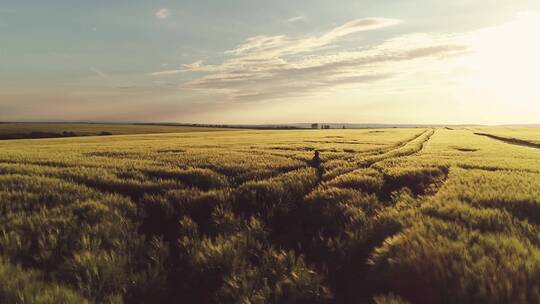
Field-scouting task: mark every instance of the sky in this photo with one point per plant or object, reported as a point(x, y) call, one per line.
point(260, 62)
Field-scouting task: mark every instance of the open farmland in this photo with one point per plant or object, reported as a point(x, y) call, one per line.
point(523, 136)
point(52, 130)
point(381, 216)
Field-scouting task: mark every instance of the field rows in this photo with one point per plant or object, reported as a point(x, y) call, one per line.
point(384, 216)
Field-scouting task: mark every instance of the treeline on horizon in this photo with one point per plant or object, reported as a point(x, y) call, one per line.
point(38, 134)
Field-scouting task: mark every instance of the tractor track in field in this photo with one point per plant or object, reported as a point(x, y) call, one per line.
point(387, 149)
point(370, 162)
point(371, 153)
point(422, 146)
point(509, 140)
point(494, 169)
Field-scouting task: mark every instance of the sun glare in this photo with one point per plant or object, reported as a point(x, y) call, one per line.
point(505, 60)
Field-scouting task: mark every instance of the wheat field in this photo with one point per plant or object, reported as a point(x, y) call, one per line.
point(420, 215)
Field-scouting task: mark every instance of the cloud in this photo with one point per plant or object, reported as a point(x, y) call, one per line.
point(99, 72)
point(273, 46)
point(296, 19)
point(192, 67)
point(270, 67)
point(126, 87)
point(163, 13)
point(359, 25)
point(167, 72)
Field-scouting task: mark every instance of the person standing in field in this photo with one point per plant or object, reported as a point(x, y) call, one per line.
point(316, 163)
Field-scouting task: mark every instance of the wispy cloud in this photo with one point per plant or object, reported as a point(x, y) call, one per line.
point(275, 46)
point(267, 67)
point(163, 13)
point(99, 72)
point(195, 66)
point(296, 19)
point(167, 72)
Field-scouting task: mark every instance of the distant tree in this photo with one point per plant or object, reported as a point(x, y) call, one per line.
point(343, 127)
point(68, 134)
point(315, 126)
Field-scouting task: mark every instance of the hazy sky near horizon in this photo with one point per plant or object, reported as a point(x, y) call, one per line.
point(251, 61)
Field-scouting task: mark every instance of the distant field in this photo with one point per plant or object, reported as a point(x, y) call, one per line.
point(48, 130)
point(381, 216)
point(528, 134)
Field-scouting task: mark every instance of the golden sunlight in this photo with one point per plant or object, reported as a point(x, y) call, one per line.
point(505, 60)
